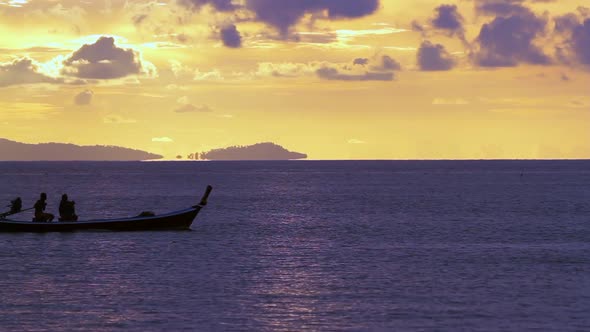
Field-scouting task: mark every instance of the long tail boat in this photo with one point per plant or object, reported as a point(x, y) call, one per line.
point(178, 220)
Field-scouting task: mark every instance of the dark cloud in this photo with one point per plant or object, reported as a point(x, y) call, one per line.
point(505, 7)
point(574, 33)
point(221, 5)
point(364, 69)
point(387, 63)
point(417, 26)
point(230, 36)
point(349, 8)
point(284, 14)
point(24, 71)
point(580, 42)
point(360, 61)
point(84, 98)
point(448, 18)
point(566, 23)
point(139, 19)
point(105, 60)
point(508, 41)
point(565, 78)
point(434, 57)
point(500, 7)
point(333, 74)
point(101, 60)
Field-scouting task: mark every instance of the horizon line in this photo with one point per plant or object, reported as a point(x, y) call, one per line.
point(303, 160)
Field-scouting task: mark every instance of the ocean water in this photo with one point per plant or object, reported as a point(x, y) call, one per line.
point(306, 246)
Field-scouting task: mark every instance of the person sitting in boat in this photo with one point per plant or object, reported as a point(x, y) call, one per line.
point(40, 214)
point(67, 211)
point(16, 205)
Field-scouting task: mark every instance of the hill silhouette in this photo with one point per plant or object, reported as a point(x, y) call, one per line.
point(15, 151)
point(260, 151)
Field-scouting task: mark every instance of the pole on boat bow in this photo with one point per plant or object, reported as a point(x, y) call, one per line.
point(6, 214)
point(206, 196)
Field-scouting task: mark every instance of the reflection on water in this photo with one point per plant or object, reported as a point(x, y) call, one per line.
point(306, 246)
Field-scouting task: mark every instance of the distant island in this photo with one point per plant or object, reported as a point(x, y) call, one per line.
point(260, 151)
point(15, 151)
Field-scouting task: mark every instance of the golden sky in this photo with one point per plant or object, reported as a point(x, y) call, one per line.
point(336, 79)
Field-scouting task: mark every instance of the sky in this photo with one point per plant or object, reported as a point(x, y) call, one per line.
point(335, 79)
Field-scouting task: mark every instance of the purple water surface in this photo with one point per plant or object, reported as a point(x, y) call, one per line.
point(304, 246)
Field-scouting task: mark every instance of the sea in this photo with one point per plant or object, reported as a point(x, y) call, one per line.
point(305, 246)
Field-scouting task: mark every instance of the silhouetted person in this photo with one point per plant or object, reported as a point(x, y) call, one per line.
point(67, 211)
point(40, 214)
point(16, 205)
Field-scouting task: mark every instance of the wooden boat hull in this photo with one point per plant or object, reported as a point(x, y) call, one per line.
point(180, 220)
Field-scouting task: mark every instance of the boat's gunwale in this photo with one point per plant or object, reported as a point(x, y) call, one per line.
point(104, 221)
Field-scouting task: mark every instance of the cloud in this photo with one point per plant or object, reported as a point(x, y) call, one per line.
point(190, 108)
point(434, 57)
point(417, 26)
point(333, 74)
point(162, 140)
point(500, 7)
point(574, 32)
point(564, 77)
point(230, 36)
point(580, 42)
point(84, 98)
point(566, 23)
point(213, 75)
point(139, 18)
point(117, 119)
point(100, 60)
point(105, 60)
point(509, 40)
point(376, 69)
point(220, 5)
point(355, 141)
point(14, 3)
point(360, 61)
point(25, 71)
point(448, 18)
point(286, 69)
point(284, 14)
point(582, 102)
point(387, 63)
point(380, 68)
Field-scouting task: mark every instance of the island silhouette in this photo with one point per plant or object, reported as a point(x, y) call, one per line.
point(16, 151)
point(259, 151)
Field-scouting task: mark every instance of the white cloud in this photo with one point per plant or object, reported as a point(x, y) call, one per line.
point(214, 75)
point(162, 140)
point(117, 119)
point(286, 69)
point(190, 108)
point(14, 3)
point(356, 141)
